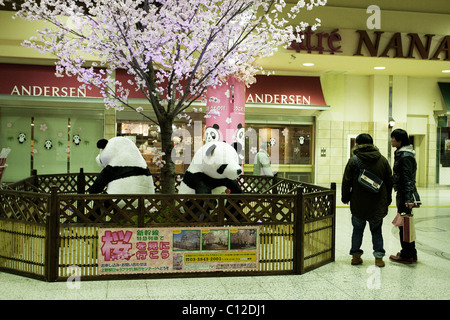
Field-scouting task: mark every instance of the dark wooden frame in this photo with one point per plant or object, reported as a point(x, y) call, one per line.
point(44, 219)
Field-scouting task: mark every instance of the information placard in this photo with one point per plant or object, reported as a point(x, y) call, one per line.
point(162, 250)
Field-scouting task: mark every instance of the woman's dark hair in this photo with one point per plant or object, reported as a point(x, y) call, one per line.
point(364, 138)
point(401, 136)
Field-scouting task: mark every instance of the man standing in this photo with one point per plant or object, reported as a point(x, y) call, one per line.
point(262, 162)
point(364, 205)
point(405, 167)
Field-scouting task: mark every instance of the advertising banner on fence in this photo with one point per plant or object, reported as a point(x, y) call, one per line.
point(162, 250)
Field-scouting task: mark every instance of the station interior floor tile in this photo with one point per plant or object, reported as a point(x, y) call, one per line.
point(428, 279)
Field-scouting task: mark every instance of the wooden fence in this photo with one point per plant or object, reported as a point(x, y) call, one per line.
point(48, 224)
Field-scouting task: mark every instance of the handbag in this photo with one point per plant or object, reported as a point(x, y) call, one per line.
point(368, 180)
point(409, 230)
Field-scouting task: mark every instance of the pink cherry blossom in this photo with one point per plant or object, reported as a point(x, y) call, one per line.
point(172, 49)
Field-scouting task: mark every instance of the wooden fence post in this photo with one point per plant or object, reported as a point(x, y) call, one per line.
point(81, 182)
point(299, 224)
point(141, 212)
point(52, 238)
point(333, 254)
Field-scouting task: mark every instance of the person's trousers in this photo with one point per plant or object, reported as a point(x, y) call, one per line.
point(408, 248)
point(377, 237)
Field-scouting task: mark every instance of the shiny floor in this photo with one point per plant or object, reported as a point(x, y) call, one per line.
point(428, 279)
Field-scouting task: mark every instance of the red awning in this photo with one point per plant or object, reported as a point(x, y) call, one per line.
point(286, 90)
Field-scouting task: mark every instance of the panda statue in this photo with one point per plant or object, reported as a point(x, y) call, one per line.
point(124, 169)
point(214, 169)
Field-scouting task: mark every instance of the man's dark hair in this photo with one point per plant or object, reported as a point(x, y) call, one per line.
point(401, 136)
point(364, 138)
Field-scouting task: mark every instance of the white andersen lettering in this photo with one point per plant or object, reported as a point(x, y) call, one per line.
point(47, 91)
point(279, 98)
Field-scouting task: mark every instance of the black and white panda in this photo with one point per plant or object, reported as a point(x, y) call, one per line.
point(214, 168)
point(212, 133)
point(124, 169)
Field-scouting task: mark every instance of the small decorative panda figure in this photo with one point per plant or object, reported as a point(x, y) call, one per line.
point(240, 138)
point(214, 168)
point(76, 139)
point(48, 144)
point(22, 137)
point(212, 133)
point(124, 169)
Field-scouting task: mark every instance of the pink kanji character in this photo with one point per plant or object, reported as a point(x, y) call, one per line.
point(141, 255)
point(116, 245)
point(153, 245)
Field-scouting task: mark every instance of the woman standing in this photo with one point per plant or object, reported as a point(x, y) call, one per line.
point(404, 178)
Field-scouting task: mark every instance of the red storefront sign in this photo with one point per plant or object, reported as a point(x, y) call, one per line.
point(286, 90)
point(40, 81)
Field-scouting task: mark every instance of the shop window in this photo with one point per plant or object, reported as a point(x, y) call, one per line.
point(288, 145)
point(147, 137)
point(49, 142)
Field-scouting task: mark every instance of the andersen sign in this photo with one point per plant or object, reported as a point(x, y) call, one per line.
point(375, 44)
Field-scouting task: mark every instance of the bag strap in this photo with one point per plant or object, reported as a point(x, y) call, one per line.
point(355, 159)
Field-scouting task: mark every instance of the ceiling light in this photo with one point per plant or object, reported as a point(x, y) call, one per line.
point(308, 64)
point(446, 71)
point(379, 68)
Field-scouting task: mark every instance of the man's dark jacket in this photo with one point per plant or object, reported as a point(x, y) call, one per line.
point(363, 204)
point(405, 167)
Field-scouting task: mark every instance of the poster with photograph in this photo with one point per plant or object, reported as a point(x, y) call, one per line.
point(160, 250)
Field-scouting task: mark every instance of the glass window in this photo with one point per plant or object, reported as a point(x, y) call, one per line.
point(294, 143)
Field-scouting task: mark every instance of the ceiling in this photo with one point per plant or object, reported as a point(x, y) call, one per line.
point(289, 62)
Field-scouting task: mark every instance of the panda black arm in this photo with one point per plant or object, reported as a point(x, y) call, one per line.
point(234, 186)
point(102, 180)
point(202, 188)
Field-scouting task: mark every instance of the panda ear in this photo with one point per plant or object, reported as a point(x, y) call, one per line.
point(101, 144)
point(237, 146)
point(210, 150)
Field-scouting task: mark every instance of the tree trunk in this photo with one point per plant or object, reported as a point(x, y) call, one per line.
point(168, 170)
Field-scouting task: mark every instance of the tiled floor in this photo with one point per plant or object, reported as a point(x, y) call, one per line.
point(428, 279)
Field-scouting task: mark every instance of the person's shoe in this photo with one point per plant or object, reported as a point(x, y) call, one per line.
point(356, 260)
point(379, 262)
point(414, 257)
point(399, 259)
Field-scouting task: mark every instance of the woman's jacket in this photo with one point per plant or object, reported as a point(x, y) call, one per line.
point(404, 172)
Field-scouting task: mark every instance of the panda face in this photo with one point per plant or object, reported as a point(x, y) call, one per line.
point(221, 161)
point(119, 151)
point(212, 133)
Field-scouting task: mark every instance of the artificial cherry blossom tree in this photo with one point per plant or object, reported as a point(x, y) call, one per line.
point(172, 49)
